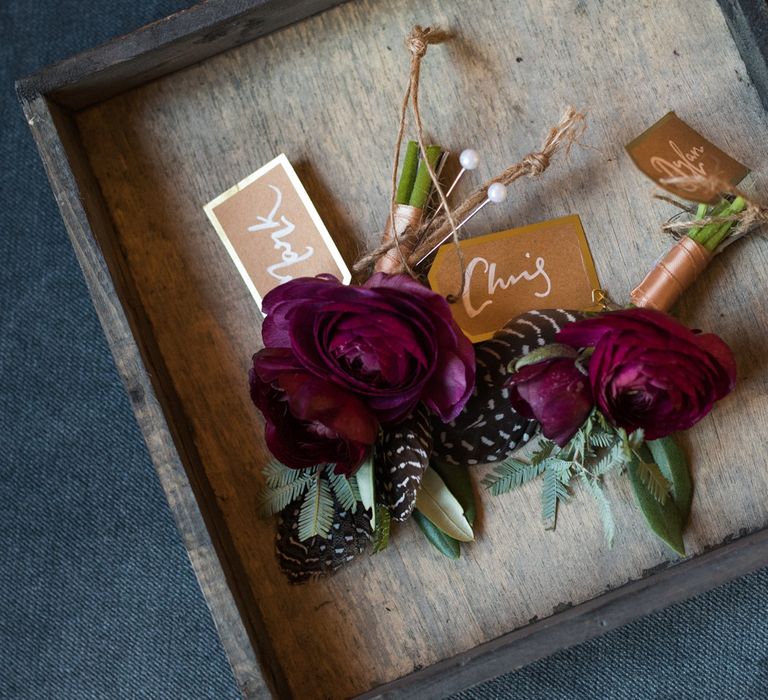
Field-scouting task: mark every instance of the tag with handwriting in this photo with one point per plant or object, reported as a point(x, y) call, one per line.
point(671, 148)
point(541, 266)
point(272, 230)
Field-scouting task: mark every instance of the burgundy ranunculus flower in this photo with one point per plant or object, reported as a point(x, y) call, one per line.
point(556, 393)
point(391, 342)
point(309, 420)
point(649, 371)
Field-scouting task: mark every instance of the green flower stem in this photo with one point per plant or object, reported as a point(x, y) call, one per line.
point(712, 235)
point(408, 176)
point(423, 182)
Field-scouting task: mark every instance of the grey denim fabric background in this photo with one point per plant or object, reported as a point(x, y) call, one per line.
point(97, 597)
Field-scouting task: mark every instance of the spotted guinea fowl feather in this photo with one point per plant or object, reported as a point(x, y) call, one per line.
point(489, 429)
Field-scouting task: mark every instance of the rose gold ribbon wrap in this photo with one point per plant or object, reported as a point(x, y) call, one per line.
point(406, 217)
point(673, 274)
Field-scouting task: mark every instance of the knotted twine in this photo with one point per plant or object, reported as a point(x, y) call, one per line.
point(415, 242)
point(682, 265)
point(752, 216)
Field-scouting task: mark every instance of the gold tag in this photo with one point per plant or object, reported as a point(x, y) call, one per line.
point(671, 148)
point(272, 231)
point(541, 266)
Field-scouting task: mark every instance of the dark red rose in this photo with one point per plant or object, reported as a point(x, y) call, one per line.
point(308, 420)
point(555, 391)
point(391, 342)
point(649, 371)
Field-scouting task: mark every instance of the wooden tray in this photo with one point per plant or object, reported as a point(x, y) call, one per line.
point(137, 135)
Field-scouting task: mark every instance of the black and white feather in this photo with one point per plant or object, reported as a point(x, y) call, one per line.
point(349, 536)
point(402, 457)
point(489, 429)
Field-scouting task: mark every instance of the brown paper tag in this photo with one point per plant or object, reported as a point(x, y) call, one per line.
point(273, 232)
point(671, 148)
point(541, 266)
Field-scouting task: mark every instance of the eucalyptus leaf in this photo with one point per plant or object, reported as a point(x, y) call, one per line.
point(437, 538)
point(457, 479)
point(674, 465)
point(665, 519)
point(438, 504)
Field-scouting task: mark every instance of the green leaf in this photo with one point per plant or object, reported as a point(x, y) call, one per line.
point(544, 450)
point(603, 505)
point(664, 520)
point(438, 504)
point(602, 439)
point(317, 511)
point(437, 538)
point(458, 481)
point(636, 439)
point(550, 351)
point(654, 480)
point(510, 474)
point(273, 500)
point(549, 499)
point(283, 486)
point(278, 475)
point(342, 490)
point(381, 533)
point(365, 485)
point(613, 458)
point(674, 465)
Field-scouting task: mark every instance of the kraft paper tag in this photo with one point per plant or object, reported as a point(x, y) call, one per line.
point(541, 266)
point(272, 230)
point(671, 148)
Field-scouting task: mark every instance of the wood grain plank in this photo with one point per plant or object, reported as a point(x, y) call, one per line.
point(326, 91)
point(162, 47)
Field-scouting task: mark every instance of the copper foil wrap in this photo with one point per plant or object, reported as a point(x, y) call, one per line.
point(673, 274)
point(406, 217)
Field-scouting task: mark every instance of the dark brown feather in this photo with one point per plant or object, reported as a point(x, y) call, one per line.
point(402, 457)
point(302, 561)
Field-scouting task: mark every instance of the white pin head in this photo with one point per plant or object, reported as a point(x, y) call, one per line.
point(469, 159)
point(497, 193)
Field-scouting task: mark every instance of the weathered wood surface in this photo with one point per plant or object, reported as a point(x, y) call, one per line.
point(326, 92)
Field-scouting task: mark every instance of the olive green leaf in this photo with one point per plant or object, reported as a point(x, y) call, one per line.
point(437, 538)
point(364, 483)
point(674, 465)
point(438, 504)
point(663, 519)
point(458, 481)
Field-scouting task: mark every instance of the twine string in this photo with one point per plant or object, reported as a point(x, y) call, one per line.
point(752, 216)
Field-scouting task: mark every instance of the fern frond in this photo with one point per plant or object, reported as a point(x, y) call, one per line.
point(549, 499)
point(278, 475)
point(381, 533)
point(544, 450)
point(602, 439)
point(615, 457)
point(603, 506)
point(511, 474)
point(654, 480)
point(316, 515)
point(342, 489)
point(283, 491)
point(355, 487)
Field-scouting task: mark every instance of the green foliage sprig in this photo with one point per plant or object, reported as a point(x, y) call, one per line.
point(317, 487)
point(657, 469)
